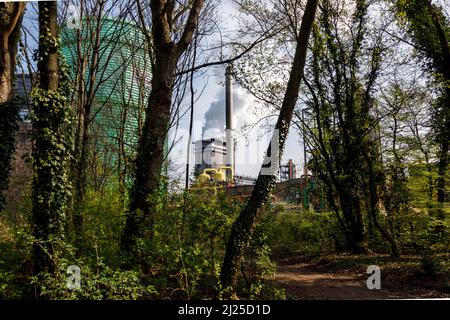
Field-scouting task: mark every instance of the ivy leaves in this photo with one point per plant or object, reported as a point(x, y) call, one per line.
point(51, 154)
point(8, 127)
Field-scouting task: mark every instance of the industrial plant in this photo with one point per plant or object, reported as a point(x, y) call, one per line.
point(215, 167)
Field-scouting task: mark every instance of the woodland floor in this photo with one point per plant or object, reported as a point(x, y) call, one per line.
point(344, 277)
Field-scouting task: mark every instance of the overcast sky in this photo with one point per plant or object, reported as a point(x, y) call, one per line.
point(209, 111)
point(209, 114)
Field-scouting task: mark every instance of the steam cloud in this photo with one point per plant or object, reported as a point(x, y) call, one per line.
point(214, 124)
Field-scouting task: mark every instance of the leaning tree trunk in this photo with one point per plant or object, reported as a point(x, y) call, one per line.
point(11, 15)
point(50, 186)
point(244, 226)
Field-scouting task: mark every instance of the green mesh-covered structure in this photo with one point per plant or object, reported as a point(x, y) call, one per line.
point(123, 82)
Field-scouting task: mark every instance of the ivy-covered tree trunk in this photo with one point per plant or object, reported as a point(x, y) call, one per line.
point(443, 116)
point(429, 29)
point(11, 15)
point(245, 224)
point(50, 151)
point(150, 158)
point(346, 156)
point(442, 120)
point(374, 201)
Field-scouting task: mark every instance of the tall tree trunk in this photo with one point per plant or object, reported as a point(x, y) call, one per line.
point(50, 186)
point(344, 162)
point(11, 15)
point(244, 226)
point(373, 210)
point(191, 117)
point(444, 143)
point(150, 158)
point(445, 117)
point(48, 64)
point(442, 166)
point(81, 182)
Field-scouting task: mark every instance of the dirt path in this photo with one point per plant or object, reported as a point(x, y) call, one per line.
point(302, 283)
point(310, 281)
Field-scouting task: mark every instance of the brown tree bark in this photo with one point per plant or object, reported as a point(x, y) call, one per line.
point(48, 65)
point(45, 216)
point(244, 226)
point(150, 158)
point(11, 15)
point(443, 163)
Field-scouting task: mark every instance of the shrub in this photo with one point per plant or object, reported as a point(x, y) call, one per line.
point(98, 282)
point(429, 266)
point(191, 230)
point(303, 232)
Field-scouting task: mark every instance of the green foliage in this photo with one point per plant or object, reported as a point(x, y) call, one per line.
point(6, 292)
point(262, 290)
point(188, 243)
point(414, 205)
point(98, 282)
point(14, 263)
point(416, 16)
point(258, 265)
point(257, 259)
point(104, 218)
point(441, 118)
point(303, 232)
point(183, 257)
point(429, 29)
point(309, 233)
point(50, 155)
point(341, 104)
point(429, 266)
point(182, 243)
point(8, 127)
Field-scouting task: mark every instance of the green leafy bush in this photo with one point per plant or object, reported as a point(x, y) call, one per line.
point(98, 282)
point(104, 219)
point(303, 232)
point(188, 244)
point(429, 266)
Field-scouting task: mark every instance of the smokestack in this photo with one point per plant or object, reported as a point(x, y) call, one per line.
point(229, 117)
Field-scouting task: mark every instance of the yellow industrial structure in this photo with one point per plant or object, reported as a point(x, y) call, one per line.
point(219, 176)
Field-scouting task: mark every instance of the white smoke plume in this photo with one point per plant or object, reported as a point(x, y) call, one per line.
point(214, 123)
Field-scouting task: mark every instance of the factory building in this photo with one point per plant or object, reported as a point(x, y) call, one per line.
point(210, 154)
point(214, 153)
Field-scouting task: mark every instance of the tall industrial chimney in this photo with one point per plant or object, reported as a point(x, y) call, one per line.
point(229, 117)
